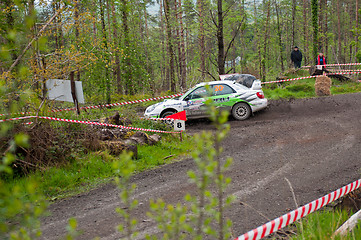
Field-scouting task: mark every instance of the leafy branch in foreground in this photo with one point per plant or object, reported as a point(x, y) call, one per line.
point(206, 210)
point(125, 169)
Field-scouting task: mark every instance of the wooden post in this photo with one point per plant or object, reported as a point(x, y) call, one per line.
point(180, 134)
point(73, 92)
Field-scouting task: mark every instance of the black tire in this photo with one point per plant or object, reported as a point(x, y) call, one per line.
point(241, 111)
point(166, 113)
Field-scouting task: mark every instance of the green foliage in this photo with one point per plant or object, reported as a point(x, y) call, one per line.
point(20, 206)
point(322, 225)
point(171, 220)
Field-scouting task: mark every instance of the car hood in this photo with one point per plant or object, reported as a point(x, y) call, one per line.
point(166, 102)
point(171, 101)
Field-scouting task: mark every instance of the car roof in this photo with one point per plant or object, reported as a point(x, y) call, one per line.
point(215, 82)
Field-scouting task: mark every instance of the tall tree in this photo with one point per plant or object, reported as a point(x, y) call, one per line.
point(314, 10)
point(305, 31)
point(201, 37)
point(279, 33)
point(220, 38)
point(167, 14)
point(116, 43)
point(129, 87)
point(182, 53)
point(105, 42)
point(356, 29)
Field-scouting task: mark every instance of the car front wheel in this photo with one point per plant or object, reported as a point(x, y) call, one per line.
point(166, 114)
point(241, 111)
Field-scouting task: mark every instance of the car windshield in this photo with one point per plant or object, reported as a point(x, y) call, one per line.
point(187, 93)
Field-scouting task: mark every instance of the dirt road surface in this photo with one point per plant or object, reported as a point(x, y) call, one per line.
point(314, 143)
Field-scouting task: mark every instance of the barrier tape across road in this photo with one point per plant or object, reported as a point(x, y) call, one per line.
point(288, 80)
point(337, 64)
point(294, 79)
point(287, 219)
point(88, 123)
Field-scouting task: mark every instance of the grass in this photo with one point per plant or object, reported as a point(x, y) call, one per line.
point(95, 168)
point(322, 224)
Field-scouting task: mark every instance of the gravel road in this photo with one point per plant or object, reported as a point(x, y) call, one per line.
point(314, 143)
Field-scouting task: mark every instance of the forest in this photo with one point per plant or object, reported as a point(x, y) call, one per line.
point(129, 47)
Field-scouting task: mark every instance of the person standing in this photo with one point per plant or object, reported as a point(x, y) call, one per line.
point(296, 57)
point(321, 59)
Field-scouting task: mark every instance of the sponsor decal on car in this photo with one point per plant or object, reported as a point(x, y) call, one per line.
point(220, 100)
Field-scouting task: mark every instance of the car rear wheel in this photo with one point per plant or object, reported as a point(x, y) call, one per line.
point(241, 111)
point(166, 114)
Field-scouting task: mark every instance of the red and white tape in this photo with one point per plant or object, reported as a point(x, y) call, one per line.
point(288, 80)
point(287, 219)
point(104, 105)
point(345, 73)
point(119, 104)
point(158, 119)
point(17, 118)
point(88, 123)
point(294, 79)
point(337, 64)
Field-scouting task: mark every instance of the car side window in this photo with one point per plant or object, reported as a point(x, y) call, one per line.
point(221, 89)
point(200, 92)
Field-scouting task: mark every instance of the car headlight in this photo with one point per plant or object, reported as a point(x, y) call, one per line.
point(150, 109)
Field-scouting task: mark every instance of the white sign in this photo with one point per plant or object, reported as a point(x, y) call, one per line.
point(179, 125)
point(60, 90)
point(319, 67)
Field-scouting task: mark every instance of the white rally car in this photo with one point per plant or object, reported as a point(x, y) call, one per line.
point(241, 94)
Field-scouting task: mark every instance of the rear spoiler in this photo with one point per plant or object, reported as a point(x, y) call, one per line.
point(257, 85)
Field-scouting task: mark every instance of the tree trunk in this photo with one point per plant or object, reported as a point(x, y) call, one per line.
point(182, 48)
point(356, 34)
point(116, 49)
point(163, 68)
point(339, 48)
point(220, 39)
point(279, 33)
point(293, 21)
point(129, 89)
point(170, 45)
point(320, 24)
point(315, 27)
point(305, 32)
point(201, 38)
point(266, 38)
point(105, 42)
point(177, 32)
point(76, 21)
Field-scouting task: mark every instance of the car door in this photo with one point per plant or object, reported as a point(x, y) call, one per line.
point(194, 102)
point(222, 95)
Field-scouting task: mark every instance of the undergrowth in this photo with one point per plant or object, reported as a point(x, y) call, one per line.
point(94, 168)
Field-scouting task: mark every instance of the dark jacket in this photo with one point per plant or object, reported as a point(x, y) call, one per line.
point(296, 56)
point(321, 61)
